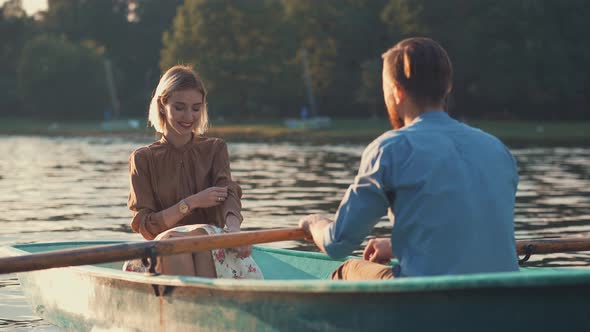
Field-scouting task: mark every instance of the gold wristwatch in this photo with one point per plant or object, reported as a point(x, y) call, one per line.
point(183, 207)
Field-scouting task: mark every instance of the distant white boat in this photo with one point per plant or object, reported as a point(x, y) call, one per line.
point(113, 125)
point(319, 122)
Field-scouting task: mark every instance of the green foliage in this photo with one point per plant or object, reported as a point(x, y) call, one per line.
point(103, 21)
point(239, 49)
point(250, 53)
point(370, 92)
point(130, 36)
point(138, 64)
point(339, 36)
point(513, 59)
point(60, 79)
point(315, 31)
point(15, 28)
point(401, 18)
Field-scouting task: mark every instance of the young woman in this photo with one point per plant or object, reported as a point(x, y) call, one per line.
point(181, 185)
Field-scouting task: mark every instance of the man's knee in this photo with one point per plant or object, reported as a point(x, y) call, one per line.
point(342, 270)
point(358, 269)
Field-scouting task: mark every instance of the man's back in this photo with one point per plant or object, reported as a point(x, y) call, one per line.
point(451, 187)
point(453, 190)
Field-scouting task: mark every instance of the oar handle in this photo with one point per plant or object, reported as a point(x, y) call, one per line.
point(121, 252)
point(548, 246)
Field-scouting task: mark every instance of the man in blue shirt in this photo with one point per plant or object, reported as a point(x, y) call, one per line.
point(448, 188)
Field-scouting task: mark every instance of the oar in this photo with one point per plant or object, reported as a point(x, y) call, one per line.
point(548, 246)
point(120, 252)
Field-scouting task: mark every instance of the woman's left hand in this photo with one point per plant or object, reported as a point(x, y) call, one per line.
point(233, 223)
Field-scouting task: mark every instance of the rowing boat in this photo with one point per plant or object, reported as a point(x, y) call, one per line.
point(296, 295)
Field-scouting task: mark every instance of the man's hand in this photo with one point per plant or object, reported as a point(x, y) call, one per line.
point(314, 226)
point(378, 251)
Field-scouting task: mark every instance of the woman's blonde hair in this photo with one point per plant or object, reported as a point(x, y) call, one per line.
point(175, 79)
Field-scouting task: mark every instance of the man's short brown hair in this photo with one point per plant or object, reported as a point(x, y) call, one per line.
point(422, 68)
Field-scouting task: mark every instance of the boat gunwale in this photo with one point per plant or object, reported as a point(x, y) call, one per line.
point(538, 277)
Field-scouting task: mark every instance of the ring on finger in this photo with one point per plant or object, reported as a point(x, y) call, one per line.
point(220, 199)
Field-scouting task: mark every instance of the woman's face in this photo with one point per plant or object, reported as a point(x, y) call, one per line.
point(183, 111)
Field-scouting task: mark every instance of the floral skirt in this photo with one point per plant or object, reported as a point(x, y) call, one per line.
point(226, 261)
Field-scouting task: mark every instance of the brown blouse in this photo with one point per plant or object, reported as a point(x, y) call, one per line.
point(161, 175)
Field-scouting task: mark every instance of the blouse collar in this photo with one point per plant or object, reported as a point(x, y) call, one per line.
point(182, 148)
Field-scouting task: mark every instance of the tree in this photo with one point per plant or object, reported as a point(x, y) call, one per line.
point(339, 36)
point(148, 19)
point(370, 92)
point(103, 21)
point(512, 59)
point(60, 79)
point(15, 28)
point(241, 49)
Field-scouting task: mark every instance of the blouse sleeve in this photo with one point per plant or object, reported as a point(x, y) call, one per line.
point(141, 196)
point(222, 178)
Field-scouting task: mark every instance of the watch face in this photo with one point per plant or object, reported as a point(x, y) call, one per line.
point(183, 208)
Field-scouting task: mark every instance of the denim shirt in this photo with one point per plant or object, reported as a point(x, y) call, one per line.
point(449, 191)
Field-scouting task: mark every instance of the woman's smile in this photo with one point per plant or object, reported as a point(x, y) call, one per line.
point(187, 125)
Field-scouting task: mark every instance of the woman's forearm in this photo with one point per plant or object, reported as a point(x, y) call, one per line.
point(170, 216)
point(232, 223)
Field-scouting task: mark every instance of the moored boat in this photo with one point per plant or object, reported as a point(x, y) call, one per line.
point(296, 295)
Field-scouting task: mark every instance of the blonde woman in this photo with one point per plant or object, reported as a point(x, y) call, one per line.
point(181, 185)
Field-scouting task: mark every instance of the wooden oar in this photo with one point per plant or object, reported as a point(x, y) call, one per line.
point(548, 246)
point(120, 252)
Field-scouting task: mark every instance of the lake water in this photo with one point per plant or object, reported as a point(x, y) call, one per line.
point(71, 189)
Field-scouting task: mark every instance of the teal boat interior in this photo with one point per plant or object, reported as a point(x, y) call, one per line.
point(291, 265)
point(276, 264)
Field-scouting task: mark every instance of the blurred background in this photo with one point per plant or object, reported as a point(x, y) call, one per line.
point(264, 61)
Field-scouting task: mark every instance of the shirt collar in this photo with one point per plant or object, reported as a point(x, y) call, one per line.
point(432, 116)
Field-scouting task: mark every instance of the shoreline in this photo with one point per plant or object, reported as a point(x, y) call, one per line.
point(343, 131)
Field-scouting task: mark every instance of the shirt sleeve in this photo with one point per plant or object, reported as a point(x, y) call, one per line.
point(222, 178)
point(516, 177)
point(141, 197)
point(364, 203)
point(514, 162)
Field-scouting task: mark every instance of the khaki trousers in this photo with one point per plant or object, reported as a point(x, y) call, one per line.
point(359, 269)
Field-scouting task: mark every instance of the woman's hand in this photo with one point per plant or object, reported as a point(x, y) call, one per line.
point(378, 251)
point(233, 226)
point(209, 197)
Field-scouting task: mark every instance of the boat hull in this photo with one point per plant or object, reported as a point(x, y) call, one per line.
point(94, 298)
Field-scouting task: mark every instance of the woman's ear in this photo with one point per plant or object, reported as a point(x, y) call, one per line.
point(160, 105)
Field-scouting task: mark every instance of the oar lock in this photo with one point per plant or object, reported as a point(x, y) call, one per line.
point(150, 260)
point(528, 251)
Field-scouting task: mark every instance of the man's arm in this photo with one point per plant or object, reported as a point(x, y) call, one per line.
point(315, 225)
point(363, 205)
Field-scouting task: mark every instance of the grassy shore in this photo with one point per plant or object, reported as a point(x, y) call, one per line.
point(342, 130)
